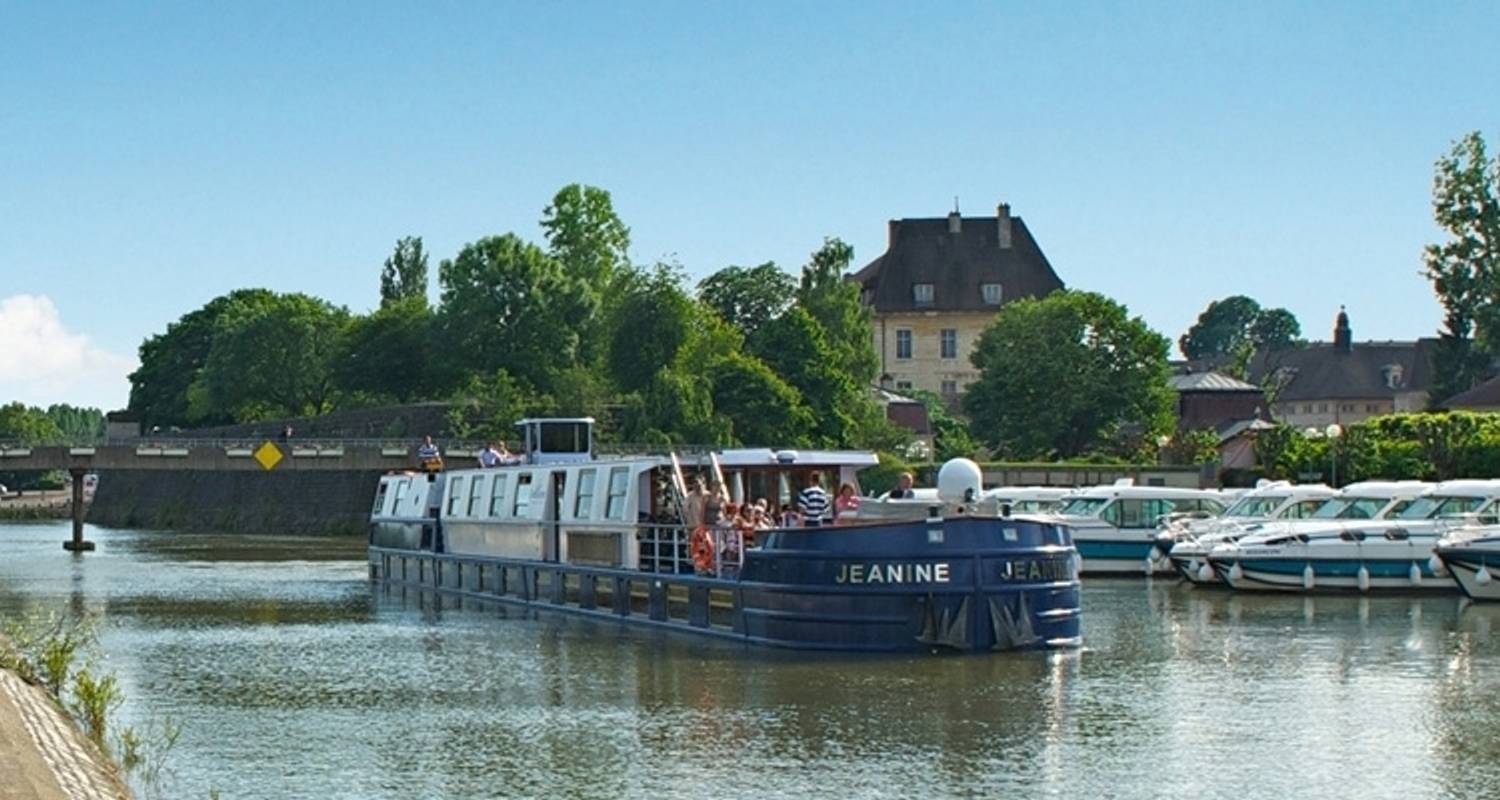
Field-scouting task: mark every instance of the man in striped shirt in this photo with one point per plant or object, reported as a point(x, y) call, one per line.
point(812, 502)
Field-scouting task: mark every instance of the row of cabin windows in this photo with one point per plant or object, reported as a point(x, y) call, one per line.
point(922, 294)
point(947, 343)
point(1143, 512)
point(520, 502)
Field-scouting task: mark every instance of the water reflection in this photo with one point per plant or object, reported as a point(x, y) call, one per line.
point(295, 677)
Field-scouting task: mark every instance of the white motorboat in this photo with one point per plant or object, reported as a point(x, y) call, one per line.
point(1370, 555)
point(1115, 526)
point(1186, 541)
point(1467, 554)
point(1030, 499)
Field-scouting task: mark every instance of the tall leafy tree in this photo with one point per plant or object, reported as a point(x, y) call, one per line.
point(77, 424)
point(270, 358)
point(748, 297)
point(797, 350)
point(834, 303)
point(29, 426)
point(383, 356)
point(171, 361)
point(405, 274)
point(585, 234)
point(1275, 329)
point(763, 408)
point(650, 322)
point(506, 305)
point(1465, 270)
point(1063, 375)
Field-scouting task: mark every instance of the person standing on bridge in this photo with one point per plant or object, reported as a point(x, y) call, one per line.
point(429, 456)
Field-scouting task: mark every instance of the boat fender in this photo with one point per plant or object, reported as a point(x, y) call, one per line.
point(1436, 566)
point(1206, 572)
point(1414, 574)
point(1362, 578)
point(702, 545)
point(1309, 578)
point(1235, 572)
point(1482, 577)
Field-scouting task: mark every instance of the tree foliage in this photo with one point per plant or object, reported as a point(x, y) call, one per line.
point(382, 357)
point(1465, 269)
point(1237, 326)
point(748, 297)
point(585, 234)
point(1065, 375)
point(28, 426)
point(651, 320)
point(170, 363)
point(404, 277)
point(762, 408)
point(834, 303)
point(271, 357)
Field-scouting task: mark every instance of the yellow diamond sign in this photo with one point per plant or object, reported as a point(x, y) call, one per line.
point(269, 455)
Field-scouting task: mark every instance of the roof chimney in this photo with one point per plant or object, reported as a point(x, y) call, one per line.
point(891, 228)
point(1343, 337)
point(1002, 229)
point(955, 222)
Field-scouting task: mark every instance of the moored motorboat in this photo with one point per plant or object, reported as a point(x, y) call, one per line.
point(1186, 541)
point(1472, 556)
point(1114, 526)
point(623, 538)
point(1394, 554)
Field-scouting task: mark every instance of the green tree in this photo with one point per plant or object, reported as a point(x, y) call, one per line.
point(1465, 270)
point(763, 409)
point(28, 426)
point(748, 297)
point(404, 277)
point(585, 234)
point(506, 305)
point(271, 358)
point(834, 303)
point(382, 357)
point(171, 361)
point(675, 408)
point(78, 425)
point(950, 435)
point(1237, 326)
point(796, 349)
point(650, 322)
point(1061, 376)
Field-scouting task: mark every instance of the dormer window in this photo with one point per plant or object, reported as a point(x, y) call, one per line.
point(991, 293)
point(921, 294)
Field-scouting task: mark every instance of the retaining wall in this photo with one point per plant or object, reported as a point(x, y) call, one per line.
point(326, 503)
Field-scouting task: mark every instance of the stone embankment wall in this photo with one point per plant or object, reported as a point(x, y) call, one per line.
point(411, 421)
point(306, 503)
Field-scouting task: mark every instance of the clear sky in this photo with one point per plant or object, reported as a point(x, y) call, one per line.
point(154, 156)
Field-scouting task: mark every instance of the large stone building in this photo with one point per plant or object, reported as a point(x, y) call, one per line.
point(936, 288)
point(1344, 381)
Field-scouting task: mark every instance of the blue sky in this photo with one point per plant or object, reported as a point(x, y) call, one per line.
point(155, 156)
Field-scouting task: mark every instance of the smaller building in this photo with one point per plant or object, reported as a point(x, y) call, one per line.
point(1211, 401)
point(119, 425)
point(1344, 381)
point(1484, 398)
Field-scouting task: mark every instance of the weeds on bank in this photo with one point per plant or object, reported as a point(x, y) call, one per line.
point(61, 654)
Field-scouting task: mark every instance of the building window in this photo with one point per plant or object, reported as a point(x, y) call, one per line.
point(991, 293)
point(903, 343)
point(950, 388)
point(903, 386)
point(921, 294)
point(1307, 408)
point(1347, 407)
point(1322, 408)
point(950, 343)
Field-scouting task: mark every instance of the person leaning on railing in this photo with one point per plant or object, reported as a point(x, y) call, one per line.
point(428, 455)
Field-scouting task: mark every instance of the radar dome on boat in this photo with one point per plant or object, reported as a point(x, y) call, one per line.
point(959, 481)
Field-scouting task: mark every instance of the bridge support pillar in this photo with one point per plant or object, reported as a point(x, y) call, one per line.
point(77, 544)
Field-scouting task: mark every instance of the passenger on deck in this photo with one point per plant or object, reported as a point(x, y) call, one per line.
point(508, 458)
point(762, 515)
point(903, 490)
point(490, 456)
point(812, 502)
point(846, 506)
point(694, 505)
point(429, 456)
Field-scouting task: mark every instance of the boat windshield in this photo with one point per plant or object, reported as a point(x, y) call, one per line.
point(1255, 506)
point(1437, 507)
point(1350, 508)
point(1084, 506)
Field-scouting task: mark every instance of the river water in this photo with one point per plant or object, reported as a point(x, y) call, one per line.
point(293, 676)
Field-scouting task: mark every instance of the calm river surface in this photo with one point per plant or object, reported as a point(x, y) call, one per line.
point(295, 677)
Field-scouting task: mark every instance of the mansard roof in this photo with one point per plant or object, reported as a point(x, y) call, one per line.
point(957, 265)
point(1365, 370)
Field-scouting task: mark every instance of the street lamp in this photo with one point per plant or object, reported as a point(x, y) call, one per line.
point(1161, 445)
point(1333, 432)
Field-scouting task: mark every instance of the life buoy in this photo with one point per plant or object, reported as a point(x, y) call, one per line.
point(702, 547)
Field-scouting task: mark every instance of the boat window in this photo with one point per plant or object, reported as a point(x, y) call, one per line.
point(1458, 506)
point(1211, 505)
point(583, 505)
point(380, 497)
point(1134, 512)
point(400, 493)
point(455, 491)
point(476, 490)
point(523, 495)
point(1335, 508)
point(1255, 506)
point(497, 497)
point(1084, 506)
point(565, 437)
point(1421, 508)
point(619, 484)
point(1398, 507)
point(1302, 510)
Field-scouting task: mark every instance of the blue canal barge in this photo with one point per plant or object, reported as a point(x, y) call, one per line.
point(620, 538)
